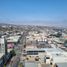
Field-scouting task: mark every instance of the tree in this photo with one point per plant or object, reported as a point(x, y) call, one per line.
point(65, 43)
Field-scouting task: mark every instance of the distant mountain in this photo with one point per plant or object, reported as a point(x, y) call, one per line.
point(6, 24)
point(23, 26)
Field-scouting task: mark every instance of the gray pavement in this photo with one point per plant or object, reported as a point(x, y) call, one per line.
point(45, 65)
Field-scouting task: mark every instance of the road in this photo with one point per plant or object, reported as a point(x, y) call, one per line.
point(16, 59)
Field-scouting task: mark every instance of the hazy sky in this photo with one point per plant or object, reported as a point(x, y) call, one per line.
point(41, 12)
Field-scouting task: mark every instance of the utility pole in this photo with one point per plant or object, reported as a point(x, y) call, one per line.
point(5, 46)
point(25, 40)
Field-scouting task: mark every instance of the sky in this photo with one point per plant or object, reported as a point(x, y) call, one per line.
point(34, 12)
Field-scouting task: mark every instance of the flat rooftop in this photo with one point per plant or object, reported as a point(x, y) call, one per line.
point(45, 49)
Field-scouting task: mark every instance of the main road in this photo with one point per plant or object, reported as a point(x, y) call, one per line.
point(18, 49)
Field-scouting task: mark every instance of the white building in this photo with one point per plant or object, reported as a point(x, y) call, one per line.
point(2, 47)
